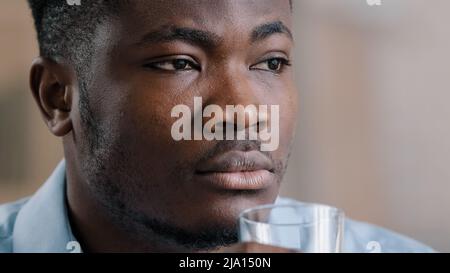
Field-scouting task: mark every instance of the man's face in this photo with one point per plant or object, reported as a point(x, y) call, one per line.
point(159, 54)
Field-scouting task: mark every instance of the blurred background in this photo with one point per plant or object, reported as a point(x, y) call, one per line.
point(373, 131)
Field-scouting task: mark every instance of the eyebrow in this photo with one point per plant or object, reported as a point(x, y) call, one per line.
point(264, 31)
point(196, 37)
point(207, 39)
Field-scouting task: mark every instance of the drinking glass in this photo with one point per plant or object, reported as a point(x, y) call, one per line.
point(304, 227)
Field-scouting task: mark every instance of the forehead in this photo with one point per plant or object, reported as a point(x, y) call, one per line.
point(218, 16)
point(215, 8)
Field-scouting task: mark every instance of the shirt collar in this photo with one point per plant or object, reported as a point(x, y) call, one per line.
point(42, 225)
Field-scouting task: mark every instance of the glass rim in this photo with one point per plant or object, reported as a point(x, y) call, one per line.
point(336, 211)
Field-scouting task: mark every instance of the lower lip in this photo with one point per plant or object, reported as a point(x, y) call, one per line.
point(249, 180)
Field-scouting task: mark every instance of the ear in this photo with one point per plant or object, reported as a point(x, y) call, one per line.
point(52, 85)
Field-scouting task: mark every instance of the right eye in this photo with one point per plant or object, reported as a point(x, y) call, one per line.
point(178, 64)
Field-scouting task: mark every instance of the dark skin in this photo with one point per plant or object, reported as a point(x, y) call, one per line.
point(137, 172)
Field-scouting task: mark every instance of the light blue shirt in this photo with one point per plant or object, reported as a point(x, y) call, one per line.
point(40, 224)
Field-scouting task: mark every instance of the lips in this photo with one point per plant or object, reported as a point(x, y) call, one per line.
point(237, 170)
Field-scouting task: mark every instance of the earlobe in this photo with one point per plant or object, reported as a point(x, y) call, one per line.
point(51, 84)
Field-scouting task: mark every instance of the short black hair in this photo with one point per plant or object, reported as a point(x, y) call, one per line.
point(65, 30)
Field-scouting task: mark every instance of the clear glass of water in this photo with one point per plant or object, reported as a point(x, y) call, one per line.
point(305, 227)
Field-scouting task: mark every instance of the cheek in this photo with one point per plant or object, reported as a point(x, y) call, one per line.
point(145, 124)
point(288, 116)
point(145, 132)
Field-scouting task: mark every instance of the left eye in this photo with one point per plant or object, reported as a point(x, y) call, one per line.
point(273, 64)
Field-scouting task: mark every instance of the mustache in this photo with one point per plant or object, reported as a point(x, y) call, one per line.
point(224, 146)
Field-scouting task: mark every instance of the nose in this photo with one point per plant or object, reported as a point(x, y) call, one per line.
point(240, 97)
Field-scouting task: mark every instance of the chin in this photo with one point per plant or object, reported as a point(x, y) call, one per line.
point(223, 209)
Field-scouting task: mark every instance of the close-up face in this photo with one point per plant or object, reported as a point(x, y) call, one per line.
point(223, 126)
point(154, 55)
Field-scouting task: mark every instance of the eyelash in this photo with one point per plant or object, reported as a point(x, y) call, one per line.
point(283, 62)
point(156, 65)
